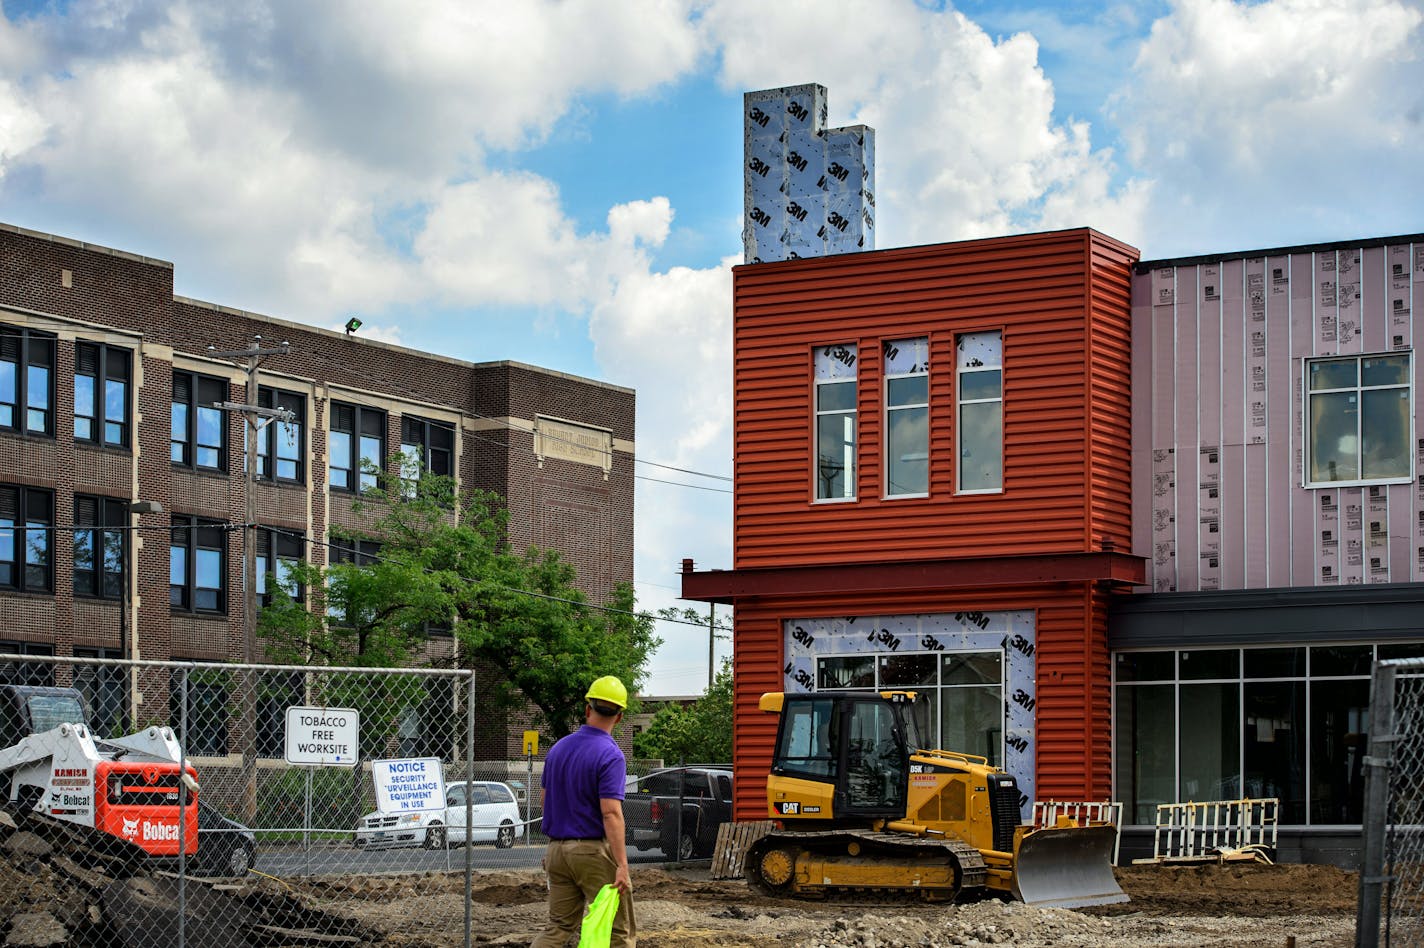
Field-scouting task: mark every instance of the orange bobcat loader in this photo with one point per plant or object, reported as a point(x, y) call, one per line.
point(127, 788)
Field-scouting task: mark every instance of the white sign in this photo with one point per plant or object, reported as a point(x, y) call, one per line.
point(323, 737)
point(413, 785)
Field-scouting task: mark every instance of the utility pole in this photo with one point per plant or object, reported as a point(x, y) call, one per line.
point(711, 643)
point(256, 418)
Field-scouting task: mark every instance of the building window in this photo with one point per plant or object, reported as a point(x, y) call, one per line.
point(26, 542)
point(278, 552)
point(1359, 416)
point(99, 554)
point(1222, 724)
point(101, 394)
point(835, 423)
point(979, 385)
point(198, 436)
point(106, 691)
point(426, 447)
point(341, 609)
point(907, 417)
point(26, 381)
point(207, 691)
point(197, 565)
point(27, 673)
point(358, 440)
point(276, 692)
point(284, 440)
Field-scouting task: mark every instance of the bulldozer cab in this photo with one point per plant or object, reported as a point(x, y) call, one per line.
point(857, 742)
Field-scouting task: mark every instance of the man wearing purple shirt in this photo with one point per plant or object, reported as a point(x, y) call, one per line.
point(583, 783)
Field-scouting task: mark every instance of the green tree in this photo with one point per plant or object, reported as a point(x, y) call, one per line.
point(699, 733)
point(445, 560)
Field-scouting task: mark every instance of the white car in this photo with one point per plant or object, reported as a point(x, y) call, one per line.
point(494, 818)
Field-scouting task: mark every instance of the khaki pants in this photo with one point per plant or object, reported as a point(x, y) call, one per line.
point(577, 869)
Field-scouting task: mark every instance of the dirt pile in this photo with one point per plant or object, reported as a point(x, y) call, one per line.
point(47, 898)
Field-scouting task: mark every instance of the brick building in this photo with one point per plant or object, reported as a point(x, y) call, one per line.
point(107, 382)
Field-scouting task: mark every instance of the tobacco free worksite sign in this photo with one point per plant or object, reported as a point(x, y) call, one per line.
point(413, 785)
point(323, 737)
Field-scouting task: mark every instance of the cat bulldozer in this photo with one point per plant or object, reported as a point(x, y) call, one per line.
point(122, 795)
point(861, 809)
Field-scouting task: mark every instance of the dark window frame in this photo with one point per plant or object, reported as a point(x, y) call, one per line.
point(353, 420)
point(104, 512)
point(25, 350)
point(288, 545)
point(105, 689)
point(22, 505)
point(109, 364)
point(27, 673)
point(208, 703)
point(416, 433)
point(268, 442)
point(195, 399)
point(193, 534)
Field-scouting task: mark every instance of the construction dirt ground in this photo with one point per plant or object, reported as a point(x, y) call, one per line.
point(46, 901)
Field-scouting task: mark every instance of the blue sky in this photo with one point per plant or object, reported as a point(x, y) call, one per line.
point(560, 182)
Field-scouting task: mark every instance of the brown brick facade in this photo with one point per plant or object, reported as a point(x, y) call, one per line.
point(78, 292)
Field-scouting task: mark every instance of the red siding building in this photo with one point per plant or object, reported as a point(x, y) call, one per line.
point(933, 464)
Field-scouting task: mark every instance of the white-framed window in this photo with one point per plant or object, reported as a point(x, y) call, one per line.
point(907, 417)
point(1359, 419)
point(979, 393)
point(835, 423)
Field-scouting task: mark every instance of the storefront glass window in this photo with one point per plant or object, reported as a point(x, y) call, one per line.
point(1211, 663)
point(1275, 662)
point(1210, 740)
point(1339, 736)
point(1146, 666)
point(1274, 741)
point(1146, 738)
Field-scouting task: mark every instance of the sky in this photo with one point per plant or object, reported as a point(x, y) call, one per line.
point(559, 182)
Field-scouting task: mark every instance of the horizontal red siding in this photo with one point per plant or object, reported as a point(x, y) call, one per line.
point(1055, 297)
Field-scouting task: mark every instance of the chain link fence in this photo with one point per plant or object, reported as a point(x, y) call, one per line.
point(1391, 905)
point(333, 806)
point(676, 810)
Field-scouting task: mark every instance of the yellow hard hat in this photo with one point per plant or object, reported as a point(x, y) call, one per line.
point(608, 690)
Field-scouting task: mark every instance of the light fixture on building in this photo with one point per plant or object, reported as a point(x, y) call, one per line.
point(352, 325)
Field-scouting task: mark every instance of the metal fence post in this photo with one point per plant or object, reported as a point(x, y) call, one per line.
point(469, 801)
point(1376, 809)
point(182, 808)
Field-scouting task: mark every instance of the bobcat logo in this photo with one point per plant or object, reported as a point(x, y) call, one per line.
point(130, 828)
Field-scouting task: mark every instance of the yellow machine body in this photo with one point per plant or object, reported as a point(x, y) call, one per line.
point(861, 808)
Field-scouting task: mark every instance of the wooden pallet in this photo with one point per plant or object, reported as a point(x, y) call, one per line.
point(733, 841)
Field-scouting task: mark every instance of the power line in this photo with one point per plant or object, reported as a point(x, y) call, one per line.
point(387, 383)
point(512, 589)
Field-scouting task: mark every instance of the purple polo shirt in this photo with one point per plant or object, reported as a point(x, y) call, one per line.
point(581, 769)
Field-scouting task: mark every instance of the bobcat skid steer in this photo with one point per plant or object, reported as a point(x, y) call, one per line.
point(123, 791)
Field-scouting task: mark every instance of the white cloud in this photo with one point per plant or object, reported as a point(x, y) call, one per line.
point(669, 335)
point(273, 144)
point(1286, 121)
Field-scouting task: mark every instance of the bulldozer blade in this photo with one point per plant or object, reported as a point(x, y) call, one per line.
point(1067, 867)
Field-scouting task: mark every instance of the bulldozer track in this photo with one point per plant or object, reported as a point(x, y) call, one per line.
point(783, 849)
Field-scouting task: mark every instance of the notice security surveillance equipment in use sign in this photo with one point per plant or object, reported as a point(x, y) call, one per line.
point(412, 785)
point(323, 737)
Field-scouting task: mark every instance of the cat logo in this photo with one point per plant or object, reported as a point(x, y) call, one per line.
point(788, 809)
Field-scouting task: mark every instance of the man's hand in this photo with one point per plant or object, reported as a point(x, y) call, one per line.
point(623, 881)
